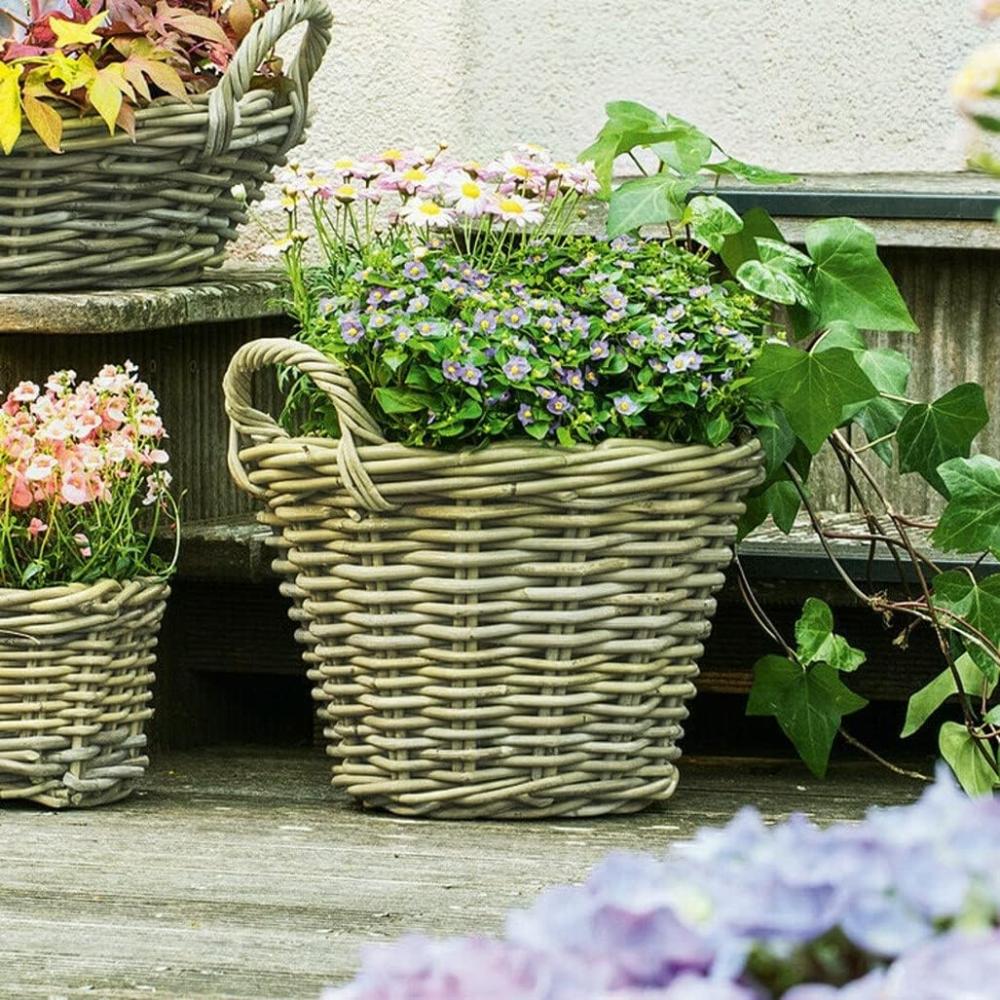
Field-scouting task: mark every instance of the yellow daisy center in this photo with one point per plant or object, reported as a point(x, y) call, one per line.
point(471, 190)
point(344, 163)
point(519, 170)
point(431, 208)
point(511, 206)
point(414, 174)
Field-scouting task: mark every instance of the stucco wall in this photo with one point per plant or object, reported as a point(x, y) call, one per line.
point(808, 85)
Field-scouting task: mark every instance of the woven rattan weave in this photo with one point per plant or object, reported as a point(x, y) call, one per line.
point(511, 631)
point(111, 213)
point(75, 673)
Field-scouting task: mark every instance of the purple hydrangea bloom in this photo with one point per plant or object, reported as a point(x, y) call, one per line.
point(599, 350)
point(614, 315)
point(351, 329)
point(376, 296)
point(548, 323)
point(545, 392)
point(727, 376)
point(743, 342)
point(573, 378)
point(452, 370)
point(378, 319)
point(635, 340)
point(415, 270)
point(676, 313)
point(417, 304)
point(700, 291)
point(517, 368)
point(326, 305)
point(580, 323)
point(525, 415)
point(402, 333)
point(558, 405)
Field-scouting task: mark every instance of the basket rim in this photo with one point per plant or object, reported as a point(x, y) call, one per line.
point(108, 584)
point(506, 449)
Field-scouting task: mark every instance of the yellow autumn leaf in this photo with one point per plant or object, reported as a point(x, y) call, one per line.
point(10, 106)
point(72, 33)
point(72, 73)
point(45, 120)
point(105, 97)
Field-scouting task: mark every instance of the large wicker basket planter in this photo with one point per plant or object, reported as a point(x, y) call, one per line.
point(111, 213)
point(507, 632)
point(75, 674)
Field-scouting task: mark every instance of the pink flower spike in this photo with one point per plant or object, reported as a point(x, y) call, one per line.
point(36, 526)
point(84, 543)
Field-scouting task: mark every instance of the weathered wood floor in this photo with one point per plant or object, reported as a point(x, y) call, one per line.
point(240, 874)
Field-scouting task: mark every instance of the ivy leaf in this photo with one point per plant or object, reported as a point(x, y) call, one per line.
point(971, 521)
point(932, 433)
point(742, 246)
point(959, 749)
point(780, 499)
point(688, 152)
point(776, 436)
point(712, 220)
point(10, 106)
point(780, 273)
point(751, 172)
point(631, 114)
point(646, 201)
point(812, 389)
point(889, 371)
point(808, 705)
point(850, 282)
point(925, 702)
point(978, 602)
point(817, 642)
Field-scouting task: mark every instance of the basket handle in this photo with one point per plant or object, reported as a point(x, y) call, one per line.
point(223, 109)
point(329, 376)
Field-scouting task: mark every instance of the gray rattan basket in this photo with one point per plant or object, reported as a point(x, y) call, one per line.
point(112, 213)
point(75, 673)
point(509, 632)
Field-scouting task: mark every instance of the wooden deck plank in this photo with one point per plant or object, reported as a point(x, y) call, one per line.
point(241, 874)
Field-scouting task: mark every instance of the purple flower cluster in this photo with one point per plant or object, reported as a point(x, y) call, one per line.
point(908, 900)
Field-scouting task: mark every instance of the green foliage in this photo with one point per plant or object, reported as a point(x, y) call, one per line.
point(925, 702)
point(812, 388)
point(971, 521)
point(587, 340)
point(644, 201)
point(929, 434)
point(805, 694)
point(850, 283)
point(969, 758)
point(977, 603)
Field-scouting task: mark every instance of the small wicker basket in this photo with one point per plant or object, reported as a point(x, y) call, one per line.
point(75, 674)
point(507, 632)
point(112, 213)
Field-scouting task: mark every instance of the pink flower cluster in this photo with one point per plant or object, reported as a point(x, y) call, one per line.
point(69, 445)
point(438, 191)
